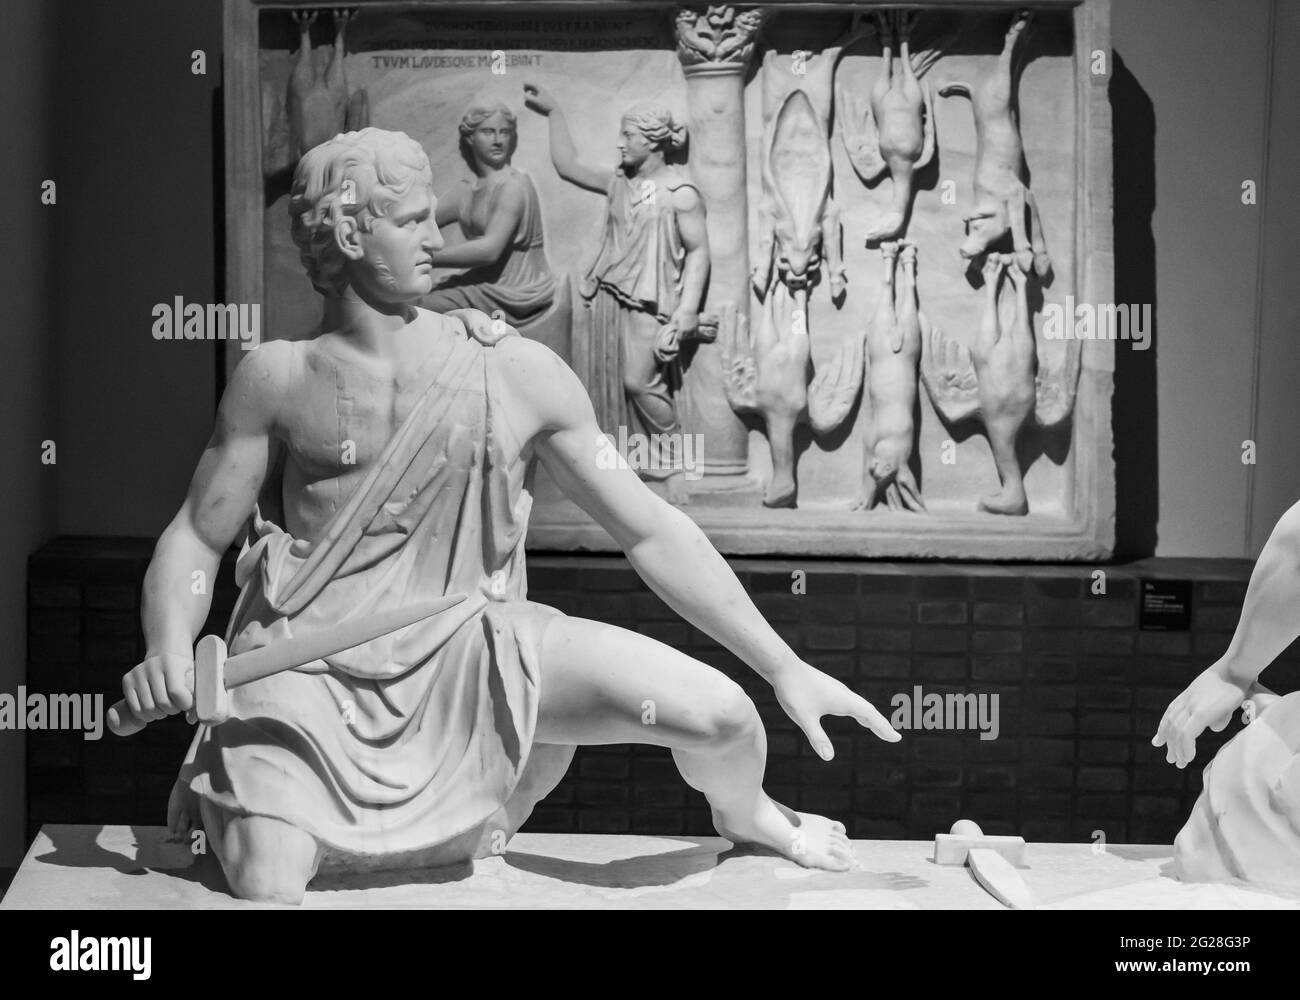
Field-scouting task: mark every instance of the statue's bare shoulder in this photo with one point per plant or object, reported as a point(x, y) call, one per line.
point(260, 385)
point(686, 198)
point(540, 391)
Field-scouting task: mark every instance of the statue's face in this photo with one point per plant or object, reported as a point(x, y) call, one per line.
point(633, 147)
point(395, 265)
point(493, 140)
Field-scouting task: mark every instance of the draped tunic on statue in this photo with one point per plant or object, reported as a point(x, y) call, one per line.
point(419, 737)
point(641, 255)
point(520, 284)
point(632, 287)
point(1246, 822)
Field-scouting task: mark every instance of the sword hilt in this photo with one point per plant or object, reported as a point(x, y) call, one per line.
point(211, 678)
point(211, 700)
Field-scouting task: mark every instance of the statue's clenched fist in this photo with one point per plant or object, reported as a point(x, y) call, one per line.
point(162, 685)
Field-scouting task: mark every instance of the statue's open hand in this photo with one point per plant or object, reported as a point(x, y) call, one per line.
point(162, 685)
point(539, 99)
point(806, 694)
point(1210, 701)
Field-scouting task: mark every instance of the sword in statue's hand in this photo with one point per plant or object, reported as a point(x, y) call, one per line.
point(215, 673)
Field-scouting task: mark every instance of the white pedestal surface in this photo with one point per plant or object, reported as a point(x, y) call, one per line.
point(122, 867)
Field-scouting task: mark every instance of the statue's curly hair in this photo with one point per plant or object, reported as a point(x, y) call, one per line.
point(656, 122)
point(357, 174)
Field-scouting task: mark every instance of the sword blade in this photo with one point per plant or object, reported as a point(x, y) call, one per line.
point(286, 654)
point(1003, 882)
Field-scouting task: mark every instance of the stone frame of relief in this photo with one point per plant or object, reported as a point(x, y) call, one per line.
point(885, 436)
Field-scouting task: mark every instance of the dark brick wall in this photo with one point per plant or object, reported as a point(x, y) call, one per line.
point(1081, 690)
point(83, 634)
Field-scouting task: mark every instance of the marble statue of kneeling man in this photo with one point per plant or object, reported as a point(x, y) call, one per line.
point(388, 461)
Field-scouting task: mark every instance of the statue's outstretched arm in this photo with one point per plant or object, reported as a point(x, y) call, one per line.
point(564, 154)
point(666, 548)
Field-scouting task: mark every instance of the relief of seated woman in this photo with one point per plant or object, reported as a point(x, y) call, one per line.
point(507, 274)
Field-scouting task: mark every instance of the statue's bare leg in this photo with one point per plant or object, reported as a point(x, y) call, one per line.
point(782, 490)
point(265, 860)
point(601, 684)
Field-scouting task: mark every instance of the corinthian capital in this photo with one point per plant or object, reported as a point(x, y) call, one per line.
point(720, 33)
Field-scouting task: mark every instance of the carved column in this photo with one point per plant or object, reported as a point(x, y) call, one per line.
point(715, 48)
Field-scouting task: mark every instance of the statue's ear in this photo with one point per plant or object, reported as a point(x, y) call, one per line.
point(347, 236)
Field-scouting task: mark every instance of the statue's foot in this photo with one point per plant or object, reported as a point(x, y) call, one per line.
point(863, 501)
point(1011, 502)
point(678, 494)
point(805, 838)
point(780, 492)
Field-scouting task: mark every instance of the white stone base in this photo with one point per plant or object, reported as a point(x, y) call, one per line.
point(119, 867)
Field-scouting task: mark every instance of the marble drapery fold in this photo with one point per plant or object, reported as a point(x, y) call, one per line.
point(419, 738)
